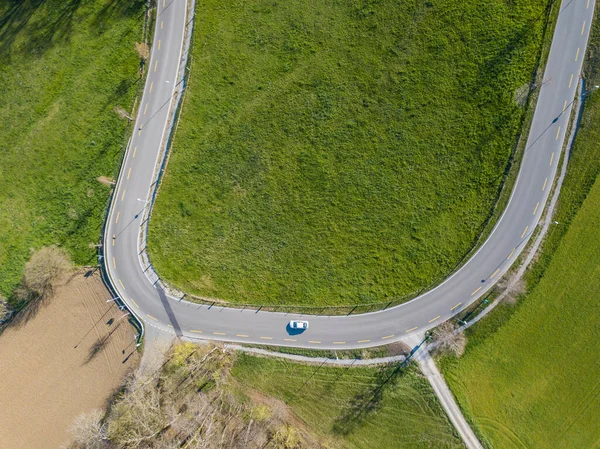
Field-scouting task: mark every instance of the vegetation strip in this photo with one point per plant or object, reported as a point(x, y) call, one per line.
point(69, 70)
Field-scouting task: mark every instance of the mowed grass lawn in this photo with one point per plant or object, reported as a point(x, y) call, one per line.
point(535, 381)
point(340, 152)
point(64, 66)
point(356, 407)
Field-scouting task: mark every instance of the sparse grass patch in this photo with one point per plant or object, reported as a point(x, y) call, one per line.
point(326, 147)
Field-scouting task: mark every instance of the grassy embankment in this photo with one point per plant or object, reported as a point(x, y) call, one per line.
point(324, 148)
point(206, 397)
point(529, 375)
point(355, 407)
point(64, 66)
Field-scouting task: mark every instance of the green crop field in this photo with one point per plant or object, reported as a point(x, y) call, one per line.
point(534, 382)
point(529, 375)
point(355, 407)
point(64, 67)
point(340, 152)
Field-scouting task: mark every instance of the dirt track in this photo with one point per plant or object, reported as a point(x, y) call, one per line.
point(65, 360)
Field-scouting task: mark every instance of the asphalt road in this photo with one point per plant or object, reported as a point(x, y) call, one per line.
point(123, 238)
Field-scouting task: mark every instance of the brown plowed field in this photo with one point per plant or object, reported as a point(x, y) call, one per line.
point(64, 360)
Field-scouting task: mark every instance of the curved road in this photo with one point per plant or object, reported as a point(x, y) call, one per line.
point(123, 247)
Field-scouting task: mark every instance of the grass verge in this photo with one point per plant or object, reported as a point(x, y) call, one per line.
point(324, 148)
point(66, 67)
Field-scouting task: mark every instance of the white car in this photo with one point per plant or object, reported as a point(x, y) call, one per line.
point(299, 325)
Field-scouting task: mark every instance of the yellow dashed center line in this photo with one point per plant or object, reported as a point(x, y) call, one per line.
point(461, 302)
point(363, 341)
point(557, 133)
point(588, 4)
point(155, 65)
point(583, 28)
point(511, 253)
point(218, 333)
point(266, 338)
point(551, 158)
point(339, 342)
point(113, 240)
point(195, 331)
point(121, 282)
point(164, 2)
point(134, 151)
point(145, 108)
point(387, 336)
point(289, 339)
point(577, 54)
point(316, 342)
point(242, 335)
point(571, 81)
point(123, 195)
point(159, 44)
point(478, 288)
point(129, 173)
point(114, 263)
point(565, 106)
point(411, 329)
point(536, 208)
point(161, 24)
point(118, 214)
point(134, 303)
point(526, 228)
point(433, 319)
point(495, 273)
point(170, 326)
point(151, 317)
point(544, 186)
point(151, 86)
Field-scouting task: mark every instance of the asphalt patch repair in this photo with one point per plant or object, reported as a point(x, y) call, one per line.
point(67, 359)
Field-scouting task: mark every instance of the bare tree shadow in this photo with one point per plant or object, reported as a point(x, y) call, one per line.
point(96, 349)
point(368, 401)
point(117, 8)
point(27, 305)
point(43, 31)
point(14, 19)
point(100, 344)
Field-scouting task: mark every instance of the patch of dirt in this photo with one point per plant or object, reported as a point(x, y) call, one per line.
point(66, 360)
point(398, 348)
point(279, 408)
point(104, 180)
point(122, 113)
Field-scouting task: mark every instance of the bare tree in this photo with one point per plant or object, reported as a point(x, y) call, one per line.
point(5, 311)
point(43, 270)
point(448, 337)
point(89, 432)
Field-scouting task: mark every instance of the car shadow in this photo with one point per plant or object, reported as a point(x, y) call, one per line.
point(292, 331)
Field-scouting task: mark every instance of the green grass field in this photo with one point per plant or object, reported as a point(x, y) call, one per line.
point(356, 407)
point(325, 148)
point(528, 378)
point(534, 381)
point(64, 66)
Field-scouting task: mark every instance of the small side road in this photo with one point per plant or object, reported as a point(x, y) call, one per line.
point(433, 375)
